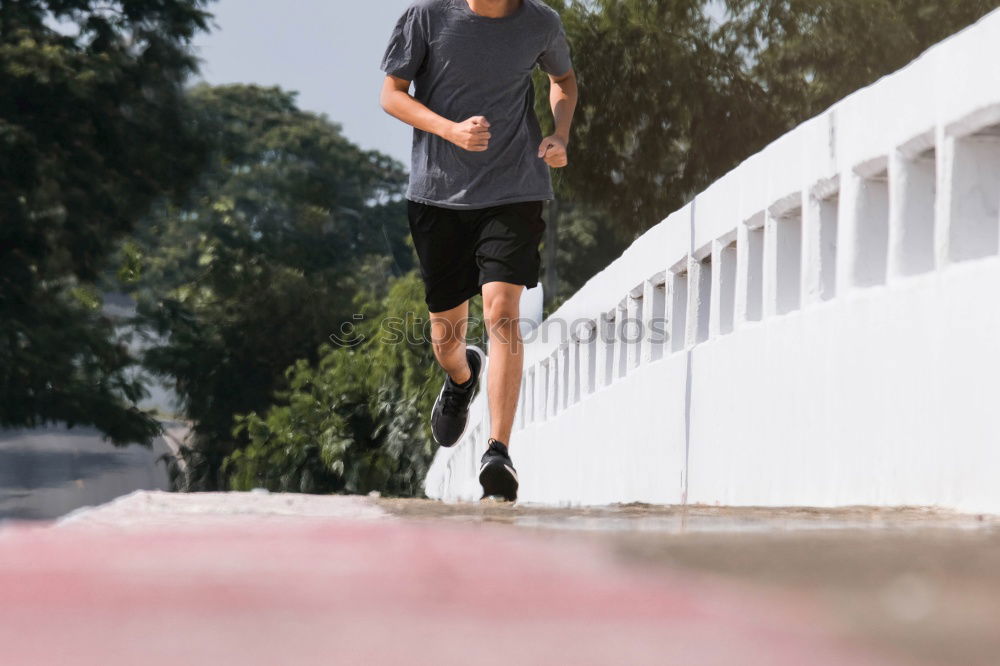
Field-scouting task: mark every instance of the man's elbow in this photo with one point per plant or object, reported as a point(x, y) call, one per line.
point(565, 80)
point(384, 98)
point(389, 104)
point(390, 87)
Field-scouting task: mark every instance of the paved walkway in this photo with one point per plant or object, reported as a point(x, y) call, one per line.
point(252, 579)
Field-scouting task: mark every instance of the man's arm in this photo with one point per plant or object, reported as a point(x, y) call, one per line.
point(472, 134)
point(562, 99)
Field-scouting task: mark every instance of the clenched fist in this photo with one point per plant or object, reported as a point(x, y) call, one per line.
point(472, 134)
point(553, 150)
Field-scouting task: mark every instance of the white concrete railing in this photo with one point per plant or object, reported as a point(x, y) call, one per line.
point(832, 310)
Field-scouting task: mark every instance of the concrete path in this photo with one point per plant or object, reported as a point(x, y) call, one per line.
point(156, 578)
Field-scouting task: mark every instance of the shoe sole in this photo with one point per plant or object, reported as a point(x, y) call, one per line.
point(495, 499)
point(479, 383)
point(498, 480)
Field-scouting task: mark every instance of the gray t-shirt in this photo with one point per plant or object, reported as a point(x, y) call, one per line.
point(463, 65)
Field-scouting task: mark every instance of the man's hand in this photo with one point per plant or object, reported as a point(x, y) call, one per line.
point(472, 134)
point(553, 150)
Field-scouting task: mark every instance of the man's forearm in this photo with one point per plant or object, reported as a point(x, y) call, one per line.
point(562, 98)
point(402, 105)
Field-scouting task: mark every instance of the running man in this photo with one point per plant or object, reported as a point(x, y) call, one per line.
point(478, 179)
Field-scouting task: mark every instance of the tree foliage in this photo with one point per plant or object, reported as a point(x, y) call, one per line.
point(665, 106)
point(260, 262)
point(356, 420)
point(93, 128)
point(807, 55)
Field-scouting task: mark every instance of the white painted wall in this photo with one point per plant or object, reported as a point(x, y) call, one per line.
point(834, 322)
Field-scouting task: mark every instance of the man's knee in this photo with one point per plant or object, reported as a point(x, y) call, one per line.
point(446, 346)
point(501, 310)
point(447, 334)
point(446, 338)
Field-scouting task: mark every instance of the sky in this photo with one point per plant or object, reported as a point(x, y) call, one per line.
point(327, 50)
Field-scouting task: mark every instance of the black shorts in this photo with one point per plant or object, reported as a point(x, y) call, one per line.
point(460, 250)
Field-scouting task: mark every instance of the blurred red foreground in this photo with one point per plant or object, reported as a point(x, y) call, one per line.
point(239, 589)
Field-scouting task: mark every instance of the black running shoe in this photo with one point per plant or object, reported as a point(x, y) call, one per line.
point(451, 409)
point(497, 475)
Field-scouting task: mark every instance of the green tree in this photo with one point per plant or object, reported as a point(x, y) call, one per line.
point(586, 243)
point(259, 263)
point(665, 107)
point(356, 420)
point(93, 129)
point(807, 55)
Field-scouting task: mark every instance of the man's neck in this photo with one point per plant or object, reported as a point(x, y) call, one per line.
point(494, 8)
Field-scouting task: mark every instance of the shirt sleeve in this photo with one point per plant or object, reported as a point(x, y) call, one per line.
point(407, 46)
point(555, 59)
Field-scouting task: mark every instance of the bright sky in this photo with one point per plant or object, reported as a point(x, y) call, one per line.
point(327, 50)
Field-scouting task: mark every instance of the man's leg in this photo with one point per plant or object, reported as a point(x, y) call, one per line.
point(507, 252)
point(448, 331)
point(445, 242)
point(463, 364)
point(501, 309)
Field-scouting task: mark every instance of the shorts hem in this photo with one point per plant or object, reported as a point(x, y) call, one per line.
point(445, 304)
point(478, 206)
point(528, 284)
